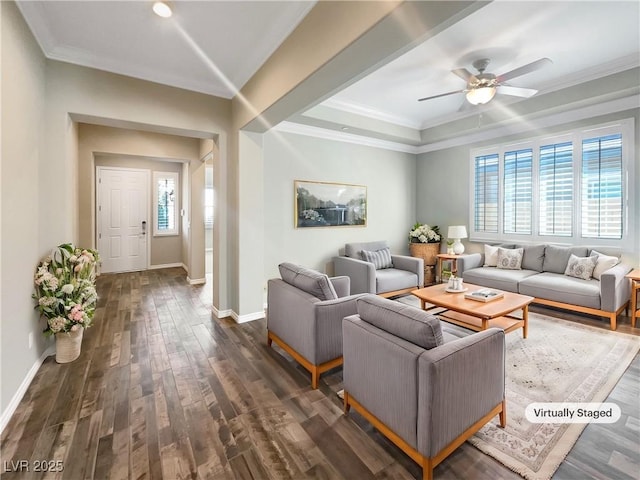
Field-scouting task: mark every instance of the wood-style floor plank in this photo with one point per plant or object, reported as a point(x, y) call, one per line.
point(164, 390)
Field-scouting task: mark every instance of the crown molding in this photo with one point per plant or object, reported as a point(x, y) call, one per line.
point(327, 134)
point(369, 112)
point(517, 126)
point(505, 128)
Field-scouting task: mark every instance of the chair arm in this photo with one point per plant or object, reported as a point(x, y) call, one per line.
point(615, 289)
point(459, 383)
point(362, 274)
point(467, 262)
point(342, 285)
point(410, 264)
point(328, 315)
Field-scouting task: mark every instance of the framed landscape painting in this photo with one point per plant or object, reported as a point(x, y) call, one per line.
point(324, 204)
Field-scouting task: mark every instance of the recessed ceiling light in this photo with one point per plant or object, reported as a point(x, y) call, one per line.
point(162, 9)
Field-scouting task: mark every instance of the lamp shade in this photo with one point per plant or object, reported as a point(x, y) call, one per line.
point(481, 95)
point(457, 231)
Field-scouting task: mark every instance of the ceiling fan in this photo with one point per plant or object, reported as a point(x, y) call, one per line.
point(482, 87)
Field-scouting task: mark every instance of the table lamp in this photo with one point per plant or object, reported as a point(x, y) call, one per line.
point(457, 232)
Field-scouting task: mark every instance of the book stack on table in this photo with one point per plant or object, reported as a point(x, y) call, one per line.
point(484, 295)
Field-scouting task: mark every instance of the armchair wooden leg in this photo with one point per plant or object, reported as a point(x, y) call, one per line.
point(269, 340)
point(427, 469)
point(315, 376)
point(503, 414)
point(346, 406)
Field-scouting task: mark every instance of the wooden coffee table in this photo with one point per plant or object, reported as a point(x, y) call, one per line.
point(476, 315)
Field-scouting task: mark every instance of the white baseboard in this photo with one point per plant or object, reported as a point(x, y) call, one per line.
point(196, 281)
point(222, 313)
point(166, 265)
point(249, 317)
point(15, 401)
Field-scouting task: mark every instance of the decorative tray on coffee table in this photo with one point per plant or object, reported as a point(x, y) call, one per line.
point(453, 290)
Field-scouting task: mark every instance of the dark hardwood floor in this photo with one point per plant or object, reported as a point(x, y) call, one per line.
point(165, 390)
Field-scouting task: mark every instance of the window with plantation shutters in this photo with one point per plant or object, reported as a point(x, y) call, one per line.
point(563, 189)
point(518, 190)
point(556, 190)
point(602, 187)
point(486, 193)
point(165, 203)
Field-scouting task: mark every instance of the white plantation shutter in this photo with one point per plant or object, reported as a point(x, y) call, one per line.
point(165, 198)
point(208, 207)
point(601, 206)
point(560, 189)
point(518, 190)
point(556, 189)
point(486, 193)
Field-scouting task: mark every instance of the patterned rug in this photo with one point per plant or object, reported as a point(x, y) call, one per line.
point(560, 361)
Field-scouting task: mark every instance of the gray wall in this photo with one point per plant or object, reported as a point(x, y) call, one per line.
point(23, 188)
point(447, 202)
point(390, 180)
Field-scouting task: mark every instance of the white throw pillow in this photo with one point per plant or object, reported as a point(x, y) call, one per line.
point(510, 258)
point(580, 267)
point(604, 263)
point(490, 256)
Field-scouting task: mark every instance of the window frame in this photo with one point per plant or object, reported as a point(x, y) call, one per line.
point(624, 127)
point(157, 177)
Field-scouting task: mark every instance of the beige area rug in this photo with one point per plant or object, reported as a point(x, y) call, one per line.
point(560, 361)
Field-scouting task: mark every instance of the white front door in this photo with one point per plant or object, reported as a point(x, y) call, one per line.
point(122, 213)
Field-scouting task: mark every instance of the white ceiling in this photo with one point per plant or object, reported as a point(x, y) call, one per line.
point(585, 40)
point(211, 47)
point(214, 47)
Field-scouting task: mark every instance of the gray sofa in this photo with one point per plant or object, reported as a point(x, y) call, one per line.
point(542, 275)
point(419, 384)
point(403, 275)
point(304, 316)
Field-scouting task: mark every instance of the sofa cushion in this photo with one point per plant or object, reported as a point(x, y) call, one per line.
point(561, 288)
point(310, 281)
point(380, 258)
point(533, 257)
point(603, 263)
point(556, 258)
point(404, 321)
point(391, 279)
point(490, 256)
point(510, 259)
point(353, 249)
point(581, 267)
point(498, 278)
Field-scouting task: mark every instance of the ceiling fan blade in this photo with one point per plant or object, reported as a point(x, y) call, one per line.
point(531, 67)
point(441, 95)
point(463, 73)
point(516, 91)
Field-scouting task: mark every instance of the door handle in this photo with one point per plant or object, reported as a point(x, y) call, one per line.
point(144, 227)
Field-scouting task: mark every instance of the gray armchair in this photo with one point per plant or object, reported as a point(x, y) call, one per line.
point(401, 275)
point(304, 316)
point(422, 386)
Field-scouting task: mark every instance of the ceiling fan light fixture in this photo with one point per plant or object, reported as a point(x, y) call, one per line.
point(481, 95)
point(162, 9)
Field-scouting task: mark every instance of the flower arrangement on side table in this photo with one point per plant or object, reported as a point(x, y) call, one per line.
point(424, 242)
point(423, 233)
point(65, 289)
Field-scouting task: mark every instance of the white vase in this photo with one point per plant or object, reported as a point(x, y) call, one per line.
point(68, 345)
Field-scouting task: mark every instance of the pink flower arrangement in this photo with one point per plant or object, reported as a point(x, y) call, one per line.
point(65, 288)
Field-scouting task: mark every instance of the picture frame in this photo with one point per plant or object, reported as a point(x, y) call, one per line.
point(327, 204)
